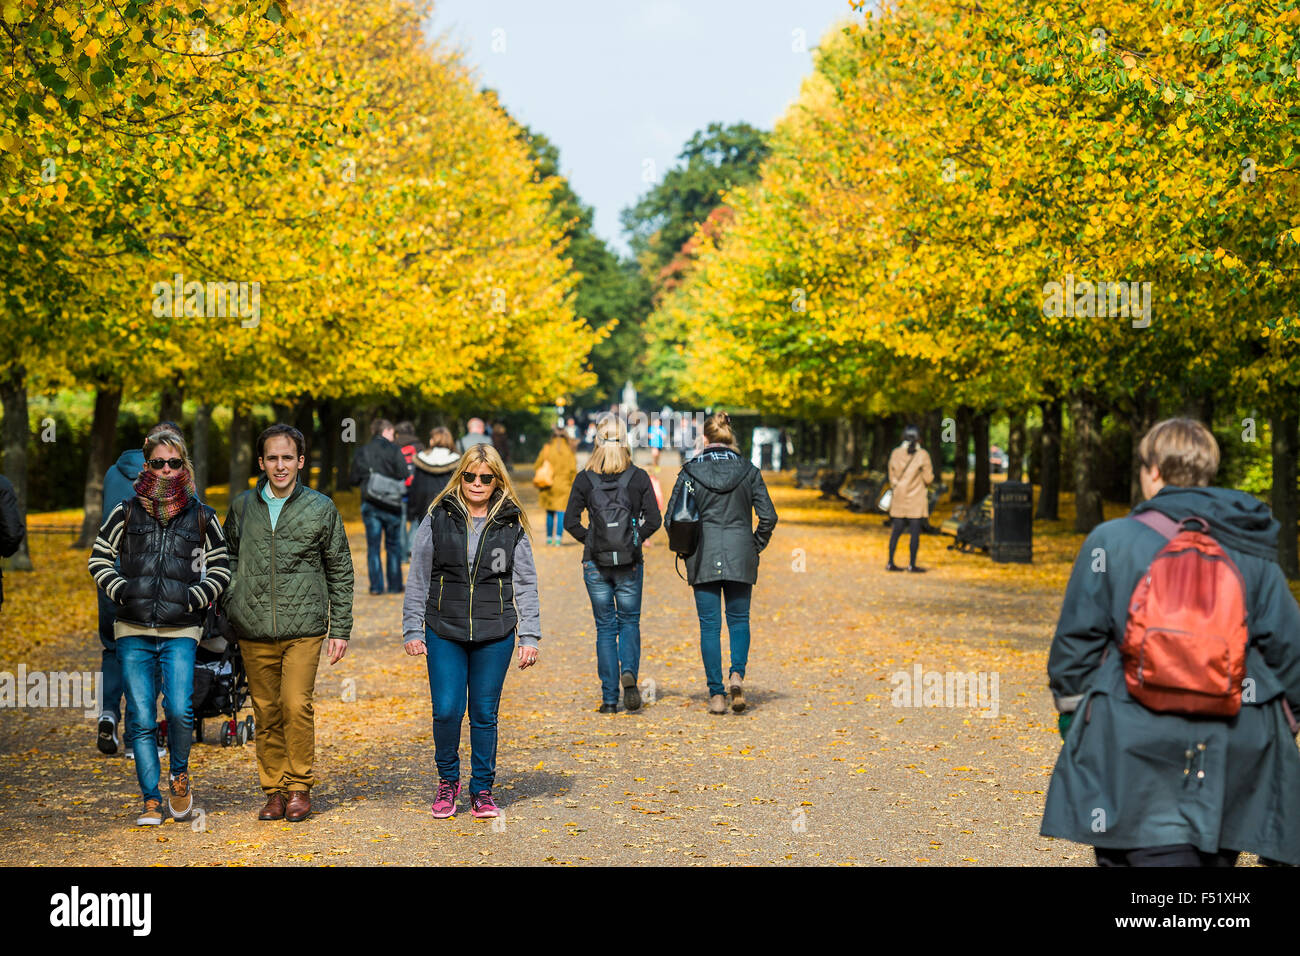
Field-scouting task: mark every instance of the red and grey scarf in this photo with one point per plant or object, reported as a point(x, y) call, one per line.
point(164, 498)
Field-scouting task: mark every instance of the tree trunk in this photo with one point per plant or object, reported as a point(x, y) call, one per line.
point(933, 438)
point(304, 419)
point(1146, 411)
point(1049, 461)
point(171, 403)
point(1016, 444)
point(240, 452)
point(1285, 501)
point(843, 443)
point(103, 433)
point(879, 445)
point(342, 449)
point(983, 483)
point(201, 448)
point(324, 440)
point(1085, 419)
point(13, 396)
point(960, 465)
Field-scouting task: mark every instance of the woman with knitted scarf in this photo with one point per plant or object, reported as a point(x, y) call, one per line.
point(160, 557)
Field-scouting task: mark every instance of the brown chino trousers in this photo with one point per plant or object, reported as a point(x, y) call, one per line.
point(282, 681)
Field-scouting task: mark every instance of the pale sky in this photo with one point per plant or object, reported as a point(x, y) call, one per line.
point(619, 86)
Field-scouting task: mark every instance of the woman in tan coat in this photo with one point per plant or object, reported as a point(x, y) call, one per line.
point(558, 453)
point(910, 471)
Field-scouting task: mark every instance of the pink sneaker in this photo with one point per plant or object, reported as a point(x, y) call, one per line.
point(444, 802)
point(481, 805)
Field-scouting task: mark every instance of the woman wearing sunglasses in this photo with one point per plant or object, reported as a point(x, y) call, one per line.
point(471, 587)
point(173, 565)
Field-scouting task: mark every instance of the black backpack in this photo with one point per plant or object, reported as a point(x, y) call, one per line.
point(615, 538)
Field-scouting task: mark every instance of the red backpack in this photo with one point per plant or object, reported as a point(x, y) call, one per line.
point(1184, 648)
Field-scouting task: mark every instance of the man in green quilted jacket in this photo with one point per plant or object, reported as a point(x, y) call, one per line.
point(290, 588)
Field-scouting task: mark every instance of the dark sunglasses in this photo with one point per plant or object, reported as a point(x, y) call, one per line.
point(470, 478)
point(176, 463)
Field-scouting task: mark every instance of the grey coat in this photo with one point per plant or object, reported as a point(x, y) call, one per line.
point(729, 492)
point(1128, 777)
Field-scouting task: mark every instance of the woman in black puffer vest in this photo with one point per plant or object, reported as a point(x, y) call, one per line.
point(471, 588)
point(172, 554)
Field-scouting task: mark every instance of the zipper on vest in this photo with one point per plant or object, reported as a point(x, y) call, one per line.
point(501, 596)
point(157, 581)
point(481, 538)
point(440, 577)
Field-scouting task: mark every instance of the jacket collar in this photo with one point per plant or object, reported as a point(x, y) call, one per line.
point(263, 481)
point(453, 506)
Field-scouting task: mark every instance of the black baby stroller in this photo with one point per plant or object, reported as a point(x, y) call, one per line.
point(221, 689)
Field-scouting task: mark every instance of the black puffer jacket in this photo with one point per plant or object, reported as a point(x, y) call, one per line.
point(158, 563)
point(729, 492)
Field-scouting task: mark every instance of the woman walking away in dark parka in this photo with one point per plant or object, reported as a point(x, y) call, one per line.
point(624, 513)
point(723, 569)
point(1189, 785)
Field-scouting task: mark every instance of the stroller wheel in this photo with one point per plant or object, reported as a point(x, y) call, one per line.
point(227, 735)
point(198, 730)
point(241, 734)
point(252, 727)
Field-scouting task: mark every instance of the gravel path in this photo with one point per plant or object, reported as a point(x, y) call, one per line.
point(822, 768)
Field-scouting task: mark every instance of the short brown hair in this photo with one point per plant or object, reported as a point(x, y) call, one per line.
point(441, 437)
point(379, 426)
point(718, 430)
point(1183, 450)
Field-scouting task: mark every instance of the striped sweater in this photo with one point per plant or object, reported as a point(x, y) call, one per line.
point(104, 555)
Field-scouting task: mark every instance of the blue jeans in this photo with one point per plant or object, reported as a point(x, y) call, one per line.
point(554, 524)
point(708, 605)
point(388, 524)
point(616, 604)
point(110, 693)
point(460, 671)
point(141, 658)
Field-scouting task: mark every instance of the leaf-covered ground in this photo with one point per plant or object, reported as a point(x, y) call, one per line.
point(822, 768)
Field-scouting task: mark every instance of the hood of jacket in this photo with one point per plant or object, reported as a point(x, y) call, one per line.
point(1236, 519)
point(130, 463)
point(436, 461)
point(718, 468)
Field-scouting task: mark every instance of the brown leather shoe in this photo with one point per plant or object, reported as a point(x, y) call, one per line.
point(299, 806)
point(274, 809)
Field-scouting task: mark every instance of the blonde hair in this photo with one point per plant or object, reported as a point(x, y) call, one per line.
point(480, 454)
point(718, 431)
point(1183, 449)
point(170, 436)
point(612, 456)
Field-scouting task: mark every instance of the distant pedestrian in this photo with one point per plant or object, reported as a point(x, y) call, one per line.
point(173, 566)
point(474, 536)
point(501, 442)
point(728, 492)
point(433, 466)
point(623, 514)
point(404, 438)
point(553, 473)
point(381, 503)
point(658, 438)
point(910, 473)
point(475, 434)
point(1176, 671)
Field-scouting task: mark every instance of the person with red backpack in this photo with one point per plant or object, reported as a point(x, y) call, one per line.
point(1176, 671)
